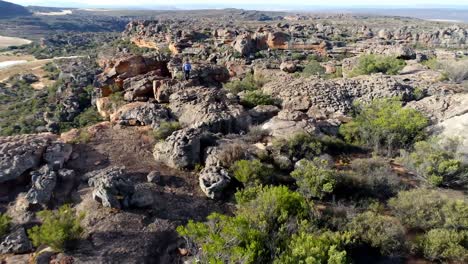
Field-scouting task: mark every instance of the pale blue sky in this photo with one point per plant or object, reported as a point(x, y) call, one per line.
point(269, 4)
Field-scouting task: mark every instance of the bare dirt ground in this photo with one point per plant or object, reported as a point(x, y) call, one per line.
point(31, 66)
point(136, 235)
point(12, 41)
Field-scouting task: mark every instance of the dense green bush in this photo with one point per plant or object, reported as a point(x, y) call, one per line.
point(314, 178)
point(251, 172)
point(373, 63)
point(300, 146)
point(258, 232)
point(444, 245)
point(250, 82)
point(57, 228)
point(254, 98)
point(379, 231)
point(427, 209)
point(436, 165)
point(385, 126)
point(165, 129)
point(312, 68)
point(305, 247)
point(88, 117)
point(4, 224)
point(52, 72)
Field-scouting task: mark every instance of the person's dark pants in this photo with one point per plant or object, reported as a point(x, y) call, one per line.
point(187, 75)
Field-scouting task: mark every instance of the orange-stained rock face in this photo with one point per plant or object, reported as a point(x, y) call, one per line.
point(104, 106)
point(144, 43)
point(278, 40)
point(174, 49)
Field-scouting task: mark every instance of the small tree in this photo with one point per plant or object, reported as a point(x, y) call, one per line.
point(58, 227)
point(379, 231)
point(314, 178)
point(251, 172)
point(165, 129)
point(428, 209)
point(444, 245)
point(326, 247)
point(435, 165)
point(373, 63)
point(385, 126)
point(254, 98)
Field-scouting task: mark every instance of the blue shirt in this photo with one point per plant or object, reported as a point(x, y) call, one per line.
point(187, 66)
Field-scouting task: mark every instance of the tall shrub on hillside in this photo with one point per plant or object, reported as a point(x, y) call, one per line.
point(385, 126)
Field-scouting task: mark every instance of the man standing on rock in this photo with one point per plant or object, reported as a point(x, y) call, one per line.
point(187, 68)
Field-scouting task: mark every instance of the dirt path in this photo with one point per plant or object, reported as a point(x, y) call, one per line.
point(136, 235)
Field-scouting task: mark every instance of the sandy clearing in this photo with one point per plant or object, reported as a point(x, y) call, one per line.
point(12, 41)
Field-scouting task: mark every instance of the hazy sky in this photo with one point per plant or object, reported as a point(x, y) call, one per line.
point(237, 3)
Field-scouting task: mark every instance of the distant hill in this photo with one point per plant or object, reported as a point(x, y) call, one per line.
point(8, 9)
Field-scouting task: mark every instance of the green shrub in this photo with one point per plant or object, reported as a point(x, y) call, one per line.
point(257, 232)
point(298, 56)
point(83, 137)
point(439, 167)
point(385, 126)
point(4, 224)
point(251, 172)
point(57, 228)
point(444, 245)
point(427, 209)
point(312, 68)
point(455, 70)
point(254, 98)
point(326, 247)
point(88, 117)
point(300, 146)
point(250, 82)
point(374, 178)
point(372, 64)
point(52, 72)
point(379, 231)
point(165, 129)
point(314, 179)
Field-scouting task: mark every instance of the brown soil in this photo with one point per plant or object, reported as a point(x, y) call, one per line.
point(136, 235)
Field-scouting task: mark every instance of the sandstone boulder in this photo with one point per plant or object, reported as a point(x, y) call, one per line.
point(213, 180)
point(335, 97)
point(19, 154)
point(141, 114)
point(262, 113)
point(43, 182)
point(209, 108)
point(111, 187)
point(181, 149)
point(17, 242)
point(288, 66)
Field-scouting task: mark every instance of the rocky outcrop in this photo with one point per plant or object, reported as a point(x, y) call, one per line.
point(119, 69)
point(43, 182)
point(442, 107)
point(17, 242)
point(262, 113)
point(182, 149)
point(213, 180)
point(335, 97)
point(19, 154)
point(57, 154)
point(208, 108)
point(111, 187)
point(455, 128)
point(141, 114)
